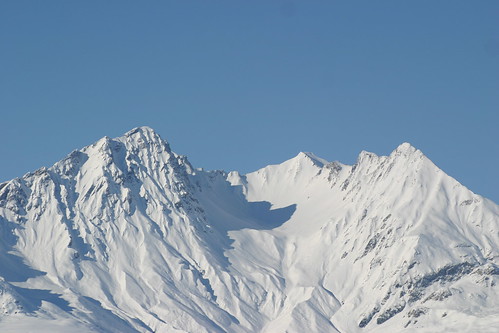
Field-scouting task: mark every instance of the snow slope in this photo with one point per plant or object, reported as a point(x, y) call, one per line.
point(126, 236)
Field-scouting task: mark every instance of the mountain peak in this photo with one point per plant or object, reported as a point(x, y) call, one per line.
point(142, 130)
point(406, 149)
point(320, 162)
point(142, 136)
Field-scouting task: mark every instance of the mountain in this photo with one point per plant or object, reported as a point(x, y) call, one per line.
point(125, 235)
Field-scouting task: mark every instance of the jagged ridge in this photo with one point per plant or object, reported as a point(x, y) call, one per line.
point(125, 235)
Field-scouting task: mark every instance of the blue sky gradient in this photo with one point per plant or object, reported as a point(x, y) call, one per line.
point(237, 85)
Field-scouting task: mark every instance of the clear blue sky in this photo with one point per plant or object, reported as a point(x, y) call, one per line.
point(237, 85)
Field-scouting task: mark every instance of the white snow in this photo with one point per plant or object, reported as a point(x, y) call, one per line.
point(126, 236)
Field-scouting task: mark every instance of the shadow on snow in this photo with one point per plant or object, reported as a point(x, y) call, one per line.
point(13, 269)
point(227, 210)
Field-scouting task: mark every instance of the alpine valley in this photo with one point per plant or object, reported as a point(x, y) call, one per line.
point(125, 235)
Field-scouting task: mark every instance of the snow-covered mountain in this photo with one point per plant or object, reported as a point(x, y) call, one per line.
point(126, 236)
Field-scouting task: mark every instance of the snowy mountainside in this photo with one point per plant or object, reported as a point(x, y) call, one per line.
point(126, 236)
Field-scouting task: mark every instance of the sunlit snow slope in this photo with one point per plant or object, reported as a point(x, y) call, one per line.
point(126, 236)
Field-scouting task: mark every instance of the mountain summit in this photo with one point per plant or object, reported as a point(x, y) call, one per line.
point(125, 235)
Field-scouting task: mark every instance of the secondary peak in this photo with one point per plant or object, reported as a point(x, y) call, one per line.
point(312, 157)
